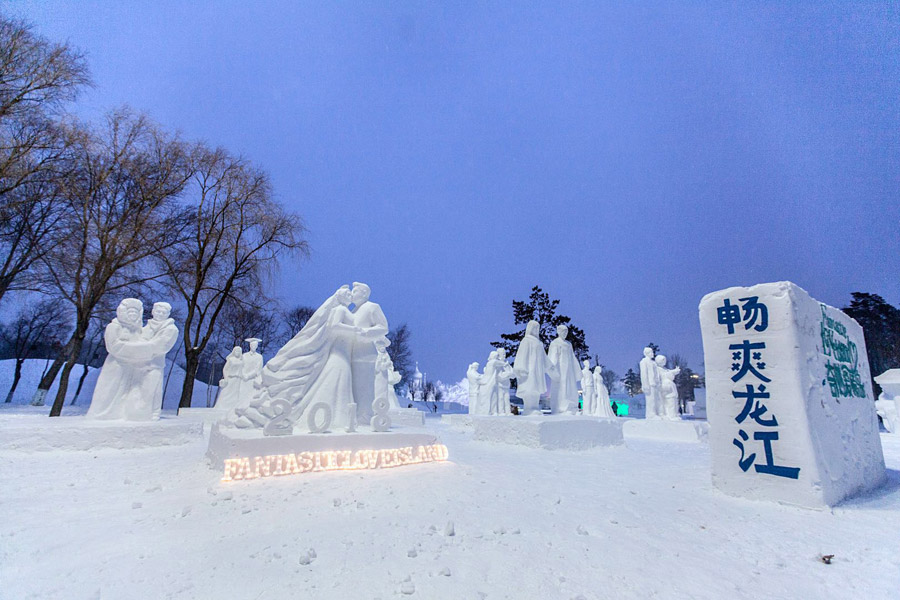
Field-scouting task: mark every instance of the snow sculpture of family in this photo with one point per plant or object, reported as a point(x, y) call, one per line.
point(489, 391)
point(658, 383)
point(241, 376)
point(130, 383)
point(324, 378)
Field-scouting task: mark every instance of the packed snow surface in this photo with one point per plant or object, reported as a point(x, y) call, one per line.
point(640, 520)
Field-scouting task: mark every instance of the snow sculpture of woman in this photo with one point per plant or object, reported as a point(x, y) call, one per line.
point(668, 392)
point(118, 393)
point(230, 384)
point(564, 386)
point(531, 367)
point(602, 407)
point(588, 393)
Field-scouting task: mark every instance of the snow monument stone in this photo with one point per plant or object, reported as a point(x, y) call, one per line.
point(789, 397)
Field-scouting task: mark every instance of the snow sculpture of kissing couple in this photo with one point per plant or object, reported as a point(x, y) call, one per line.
point(324, 377)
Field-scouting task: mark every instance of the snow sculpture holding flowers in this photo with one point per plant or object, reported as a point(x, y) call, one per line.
point(130, 383)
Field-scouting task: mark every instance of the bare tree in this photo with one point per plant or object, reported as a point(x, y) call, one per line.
point(35, 328)
point(119, 209)
point(238, 233)
point(296, 318)
point(36, 78)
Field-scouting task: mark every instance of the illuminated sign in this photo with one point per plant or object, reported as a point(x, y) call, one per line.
point(330, 460)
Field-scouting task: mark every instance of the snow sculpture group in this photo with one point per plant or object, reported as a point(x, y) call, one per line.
point(658, 384)
point(333, 374)
point(130, 385)
point(489, 391)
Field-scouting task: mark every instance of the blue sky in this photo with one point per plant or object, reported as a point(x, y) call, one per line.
point(627, 157)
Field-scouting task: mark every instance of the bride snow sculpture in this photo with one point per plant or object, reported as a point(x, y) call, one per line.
point(128, 382)
point(531, 367)
point(588, 394)
point(564, 386)
point(602, 407)
point(230, 384)
point(311, 379)
point(650, 382)
point(668, 392)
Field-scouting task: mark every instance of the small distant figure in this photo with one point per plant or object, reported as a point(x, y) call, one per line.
point(409, 405)
point(514, 409)
point(615, 408)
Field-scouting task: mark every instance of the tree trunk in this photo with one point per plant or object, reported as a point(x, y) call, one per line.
point(209, 385)
point(16, 376)
point(171, 368)
point(74, 349)
point(47, 381)
point(191, 364)
point(80, 383)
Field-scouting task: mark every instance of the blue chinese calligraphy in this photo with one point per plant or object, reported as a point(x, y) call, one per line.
point(744, 353)
point(756, 314)
point(747, 360)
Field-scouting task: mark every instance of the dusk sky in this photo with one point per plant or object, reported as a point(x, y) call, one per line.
point(627, 157)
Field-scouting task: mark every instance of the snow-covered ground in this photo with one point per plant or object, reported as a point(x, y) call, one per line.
point(635, 521)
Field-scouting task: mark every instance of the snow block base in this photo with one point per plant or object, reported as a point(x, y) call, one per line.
point(206, 415)
point(669, 431)
point(459, 421)
point(31, 433)
point(248, 454)
point(407, 417)
point(549, 432)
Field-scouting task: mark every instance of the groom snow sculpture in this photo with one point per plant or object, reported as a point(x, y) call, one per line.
point(369, 317)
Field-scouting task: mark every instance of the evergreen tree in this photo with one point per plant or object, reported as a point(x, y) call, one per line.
point(881, 327)
point(539, 307)
point(632, 383)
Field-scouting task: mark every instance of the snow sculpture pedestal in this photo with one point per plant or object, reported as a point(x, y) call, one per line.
point(407, 417)
point(459, 421)
point(247, 454)
point(205, 415)
point(666, 430)
point(551, 433)
point(789, 400)
point(33, 433)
